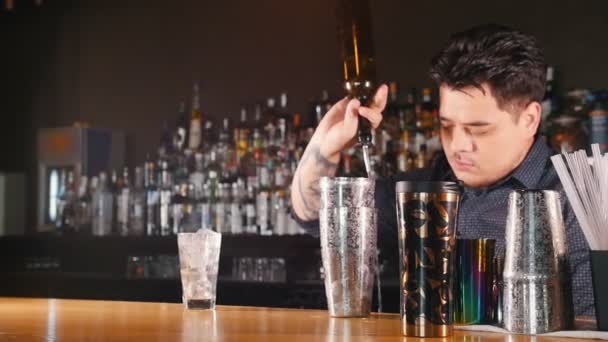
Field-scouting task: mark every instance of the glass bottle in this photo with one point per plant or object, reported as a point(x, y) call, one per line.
point(102, 207)
point(598, 121)
point(180, 136)
point(152, 200)
point(250, 220)
point(206, 204)
point(263, 207)
point(321, 108)
point(197, 177)
point(236, 217)
point(391, 116)
point(115, 188)
point(137, 205)
point(67, 200)
point(358, 61)
point(405, 158)
point(194, 141)
point(83, 208)
point(165, 195)
point(60, 198)
point(281, 213)
point(123, 200)
point(242, 135)
point(427, 117)
point(549, 102)
point(219, 210)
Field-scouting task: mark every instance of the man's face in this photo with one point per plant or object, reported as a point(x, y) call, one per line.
point(482, 142)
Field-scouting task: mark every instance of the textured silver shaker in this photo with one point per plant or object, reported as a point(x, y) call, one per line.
point(537, 296)
point(348, 235)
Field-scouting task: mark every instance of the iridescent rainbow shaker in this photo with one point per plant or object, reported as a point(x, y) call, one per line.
point(474, 302)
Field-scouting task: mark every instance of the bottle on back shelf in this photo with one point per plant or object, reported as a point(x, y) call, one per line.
point(219, 210)
point(165, 194)
point(421, 157)
point(83, 206)
point(178, 201)
point(195, 138)
point(183, 216)
point(270, 114)
point(67, 203)
point(263, 209)
point(60, 194)
point(152, 200)
point(405, 157)
point(236, 207)
point(280, 212)
point(182, 125)
point(214, 171)
point(549, 103)
point(598, 121)
point(197, 177)
point(103, 205)
point(123, 200)
point(242, 135)
point(427, 109)
point(166, 145)
point(407, 114)
point(137, 205)
point(115, 188)
point(321, 108)
point(207, 203)
point(250, 221)
point(390, 120)
point(227, 153)
point(293, 136)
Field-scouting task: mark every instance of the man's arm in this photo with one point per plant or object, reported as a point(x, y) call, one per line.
point(305, 193)
point(335, 133)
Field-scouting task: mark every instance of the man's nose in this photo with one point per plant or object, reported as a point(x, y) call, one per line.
point(461, 140)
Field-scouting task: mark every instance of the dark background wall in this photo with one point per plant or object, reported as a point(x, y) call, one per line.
point(126, 64)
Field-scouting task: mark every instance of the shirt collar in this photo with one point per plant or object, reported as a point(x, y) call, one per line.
point(530, 171)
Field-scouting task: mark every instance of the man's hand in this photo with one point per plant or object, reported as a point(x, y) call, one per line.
point(335, 133)
point(338, 129)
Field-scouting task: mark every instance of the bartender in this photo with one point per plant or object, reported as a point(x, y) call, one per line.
point(491, 81)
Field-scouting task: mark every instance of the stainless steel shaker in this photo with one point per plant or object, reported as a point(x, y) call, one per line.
point(537, 294)
point(347, 218)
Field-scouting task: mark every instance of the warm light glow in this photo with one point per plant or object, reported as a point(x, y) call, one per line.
point(59, 143)
point(356, 49)
point(51, 321)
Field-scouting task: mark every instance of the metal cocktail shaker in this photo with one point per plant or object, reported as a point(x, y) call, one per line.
point(427, 215)
point(473, 291)
point(537, 290)
point(348, 232)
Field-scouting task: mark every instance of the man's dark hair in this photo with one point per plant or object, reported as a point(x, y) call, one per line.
point(509, 61)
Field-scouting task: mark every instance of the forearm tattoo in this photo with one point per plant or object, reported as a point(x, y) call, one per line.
point(310, 194)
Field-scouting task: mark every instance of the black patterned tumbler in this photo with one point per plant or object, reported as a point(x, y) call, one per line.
point(427, 214)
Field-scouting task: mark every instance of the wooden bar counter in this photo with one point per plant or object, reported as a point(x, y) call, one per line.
point(78, 320)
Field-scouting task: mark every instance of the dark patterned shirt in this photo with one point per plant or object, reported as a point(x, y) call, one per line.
point(483, 213)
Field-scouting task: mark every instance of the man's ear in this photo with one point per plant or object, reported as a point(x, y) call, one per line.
point(530, 117)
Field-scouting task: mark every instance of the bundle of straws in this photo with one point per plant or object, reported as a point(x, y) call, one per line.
point(585, 182)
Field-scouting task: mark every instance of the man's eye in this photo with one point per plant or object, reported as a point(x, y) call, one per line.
point(479, 132)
